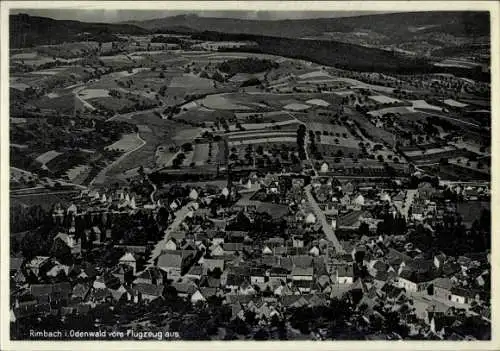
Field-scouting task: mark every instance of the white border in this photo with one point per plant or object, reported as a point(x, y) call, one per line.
point(393, 6)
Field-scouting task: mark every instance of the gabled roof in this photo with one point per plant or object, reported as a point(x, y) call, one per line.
point(415, 277)
point(302, 260)
point(345, 270)
point(128, 257)
point(170, 261)
point(299, 271)
point(149, 289)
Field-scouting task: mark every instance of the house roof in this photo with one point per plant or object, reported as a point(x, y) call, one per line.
point(15, 263)
point(416, 277)
point(80, 290)
point(235, 280)
point(196, 270)
point(232, 246)
point(299, 271)
point(185, 287)
point(443, 283)
point(149, 289)
point(351, 218)
point(128, 257)
point(345, 270)
point(170, 261)
point(302, 260)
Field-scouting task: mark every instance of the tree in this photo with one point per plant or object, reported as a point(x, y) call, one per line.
point(364, 229)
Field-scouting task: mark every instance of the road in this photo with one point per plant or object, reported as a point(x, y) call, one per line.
point(100, 176)
point(46, 193)
point(180, 215)
point(320, 215)
point(450, 118)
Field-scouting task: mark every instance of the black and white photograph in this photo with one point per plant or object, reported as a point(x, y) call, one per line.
point(247, 175)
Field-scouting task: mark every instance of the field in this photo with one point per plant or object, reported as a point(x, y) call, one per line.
point(384, 99)
point(221, 102)
point(190, 81)
point(47, 156)
point(93, 93)
point(126, 143)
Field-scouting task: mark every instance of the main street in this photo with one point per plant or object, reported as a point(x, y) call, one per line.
point(320, 215)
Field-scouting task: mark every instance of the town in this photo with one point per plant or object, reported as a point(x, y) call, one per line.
point(209, 188)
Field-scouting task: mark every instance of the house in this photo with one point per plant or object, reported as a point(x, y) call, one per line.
point(425, 191)
point(297, 241)
point(212, 263)
point(463, 296)
point(197, 297)
point(304, 286)
point(38, 264)
point(171, 244)
point(51, 293)
point(439, 260)
point(324, 167)
point(184, 288)
point(149, 292)
point(231, 248)
point(344, 273)
point(352, 220)
point(66, 241)
point(258, 276)
point(217, 251)
point(441, 288)
point(129, 260)
point(171, 264)
point(195, 272)
point(302, 273)
point(152, 275)
point(413, 282)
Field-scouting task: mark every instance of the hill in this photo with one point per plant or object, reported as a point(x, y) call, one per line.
point(393, 25)
point(27, 31)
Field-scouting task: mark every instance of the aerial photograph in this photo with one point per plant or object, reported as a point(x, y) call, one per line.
point(249, 175)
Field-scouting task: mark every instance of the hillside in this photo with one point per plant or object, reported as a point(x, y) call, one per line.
point(26, 31)
point(392, 25)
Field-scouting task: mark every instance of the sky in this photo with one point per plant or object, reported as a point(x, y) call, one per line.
point(138, 15)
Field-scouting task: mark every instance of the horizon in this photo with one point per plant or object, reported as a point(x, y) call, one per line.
point(117, 16)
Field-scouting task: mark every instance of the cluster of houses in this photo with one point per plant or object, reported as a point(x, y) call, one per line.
point(266, 275)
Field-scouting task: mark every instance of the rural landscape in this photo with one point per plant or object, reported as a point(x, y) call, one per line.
point(207, 178)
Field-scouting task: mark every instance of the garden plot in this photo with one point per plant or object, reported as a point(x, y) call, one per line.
point(332, 130)
point(260, 134)
point(423, 104)
point(200, 154)
point(127, 143)
point(453, 103)
point(220, 102)
point(383, 111)
point(356, 84)
point(384, 99)
point(318, 102)
point(78, 174)
point(47, 156)
point(191, 81)
point(122, 74)
point(185, 135)
point(315, 74)
point(93, 93)
point(49, 72)
point(270, 140)
point(345, 93)
point(296, 107)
